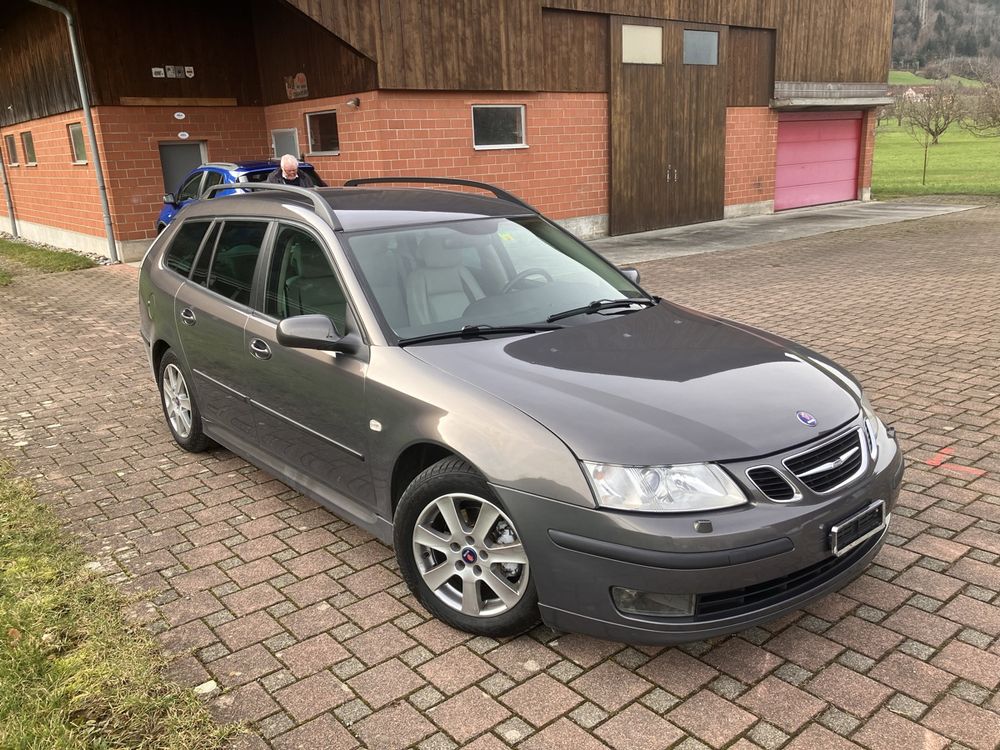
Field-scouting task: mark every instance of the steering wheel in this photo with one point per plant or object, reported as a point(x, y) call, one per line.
point(526, 273)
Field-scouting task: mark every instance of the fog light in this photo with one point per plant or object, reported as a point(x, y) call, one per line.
point(651, 604)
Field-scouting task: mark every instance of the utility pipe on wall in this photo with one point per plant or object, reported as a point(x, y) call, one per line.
point(10, 199)
point(92, 135)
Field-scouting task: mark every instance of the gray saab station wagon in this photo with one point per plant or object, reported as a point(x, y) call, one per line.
point(533, 432)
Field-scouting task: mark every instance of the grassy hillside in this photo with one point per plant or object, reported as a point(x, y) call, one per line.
point(907, 78)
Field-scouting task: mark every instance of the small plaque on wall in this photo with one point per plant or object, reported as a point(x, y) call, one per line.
point(159, 73)
point(296, 86)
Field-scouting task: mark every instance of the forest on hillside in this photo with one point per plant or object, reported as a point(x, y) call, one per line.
point(929, 31)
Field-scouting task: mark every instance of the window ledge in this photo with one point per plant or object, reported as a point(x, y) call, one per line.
point(323, 153)
point(80, 163)
point(31, 164)
point(499, 146)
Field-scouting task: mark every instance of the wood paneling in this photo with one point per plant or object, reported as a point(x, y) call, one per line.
point(668, 131)
point(37, 78)
point(289, 43)
point(751, 67)
point(470, 45)
point(124, 40)
point(575, 46)
point(354, 21)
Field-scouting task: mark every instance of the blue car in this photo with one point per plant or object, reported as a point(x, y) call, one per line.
point(201, 178)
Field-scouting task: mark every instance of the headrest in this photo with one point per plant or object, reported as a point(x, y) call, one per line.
point(434, 253)
point(312, 262)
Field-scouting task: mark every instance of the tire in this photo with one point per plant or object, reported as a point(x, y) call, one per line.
point(489, 594)
point(179, 406)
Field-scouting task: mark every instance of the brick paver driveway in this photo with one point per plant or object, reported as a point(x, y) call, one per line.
point(304, 623)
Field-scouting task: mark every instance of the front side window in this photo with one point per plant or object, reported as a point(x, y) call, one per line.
point(301, 280)
point(211, 178)
point(323, 135)
point(77, 147)
point(191, 189)
point(701, 47)
point(496, 272)
point(11, 149)
point(184, 247)
point(29, 148)
point(235, 259)
point(498, 126)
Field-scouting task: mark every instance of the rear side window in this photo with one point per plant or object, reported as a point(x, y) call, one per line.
point(235, 259)
point(184, 247)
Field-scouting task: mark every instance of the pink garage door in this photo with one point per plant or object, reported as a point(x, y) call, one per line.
point(817, 158)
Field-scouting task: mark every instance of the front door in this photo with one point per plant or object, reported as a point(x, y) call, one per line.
point(177, 160)
point(309, 405)
point(668, 124)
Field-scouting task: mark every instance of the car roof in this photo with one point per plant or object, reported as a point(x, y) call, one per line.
point(359, 208)
point(251, 165)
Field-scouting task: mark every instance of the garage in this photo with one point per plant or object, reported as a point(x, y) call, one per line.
point(817, 162)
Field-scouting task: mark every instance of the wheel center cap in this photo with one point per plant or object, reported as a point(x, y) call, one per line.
point(469, 556)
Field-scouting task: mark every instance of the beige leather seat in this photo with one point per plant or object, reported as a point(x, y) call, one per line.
point(442, 288)
point(315, 289)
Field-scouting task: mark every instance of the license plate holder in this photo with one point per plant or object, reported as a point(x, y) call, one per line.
point(847, 534)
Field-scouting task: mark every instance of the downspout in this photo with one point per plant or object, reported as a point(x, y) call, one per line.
point(10, 199)
point(88, 117)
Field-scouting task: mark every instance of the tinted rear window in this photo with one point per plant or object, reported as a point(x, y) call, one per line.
point(184, 247)
point(235, 259)
point(263, 175)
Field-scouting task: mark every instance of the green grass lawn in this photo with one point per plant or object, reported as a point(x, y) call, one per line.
point(961, 164)
point(40, 259)
point(906, 78)
point(75, 672)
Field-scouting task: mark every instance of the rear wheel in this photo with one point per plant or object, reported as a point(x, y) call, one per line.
point(461, 554)
point(179, 405)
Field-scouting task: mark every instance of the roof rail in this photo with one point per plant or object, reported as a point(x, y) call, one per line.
point(498, 192)
point(222, 164)
point(319, 203)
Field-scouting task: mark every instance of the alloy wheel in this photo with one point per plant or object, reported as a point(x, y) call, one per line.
point(177, 400)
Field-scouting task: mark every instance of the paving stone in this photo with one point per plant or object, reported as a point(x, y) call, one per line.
point(638, 727)
point(848, 690)
point(522, 657)
point(563, 735)
point(817, 738)
point(742, 660)
point(677, 673)
point(588, 715)
point(807, 649)
point(468, 714)
point(455, 670)
point(780, 703)
point(610, 686)
point(540, 700)
point(961, 721)
point(313, 695)
point(385, 683)
point(309, 656)
point(887, 731)
point(711, 718)
point(969, 662)
point(325, 732)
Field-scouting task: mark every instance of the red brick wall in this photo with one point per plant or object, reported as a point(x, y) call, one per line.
point(751, 149)
point(56, 191)
point(60, 194)
point(563, 172)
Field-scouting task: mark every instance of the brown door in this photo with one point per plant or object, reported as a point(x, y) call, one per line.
point(668, 124)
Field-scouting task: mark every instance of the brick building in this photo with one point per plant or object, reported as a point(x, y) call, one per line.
point(609, 115)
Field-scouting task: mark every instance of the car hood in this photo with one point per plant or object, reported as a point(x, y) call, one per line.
point(665, 385)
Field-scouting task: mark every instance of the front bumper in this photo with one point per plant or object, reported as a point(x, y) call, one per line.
point(764, 558)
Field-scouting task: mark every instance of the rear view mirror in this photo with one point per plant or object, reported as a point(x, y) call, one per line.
point(314, 332)
point(632, 274)
point(169, 199)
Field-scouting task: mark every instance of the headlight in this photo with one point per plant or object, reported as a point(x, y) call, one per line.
point(663, 489)
point(872, 425)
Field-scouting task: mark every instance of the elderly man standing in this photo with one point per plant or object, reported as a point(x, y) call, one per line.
point(288, 173)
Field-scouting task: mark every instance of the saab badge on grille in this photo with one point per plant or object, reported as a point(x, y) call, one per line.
point(806, 418)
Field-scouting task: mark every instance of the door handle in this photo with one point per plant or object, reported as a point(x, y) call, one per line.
point(668, 173)
point(260, 349)
point(187, 317)
point(675, 174)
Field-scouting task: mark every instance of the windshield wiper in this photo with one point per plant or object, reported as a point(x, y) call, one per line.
point(602, 304)
point(477, 331)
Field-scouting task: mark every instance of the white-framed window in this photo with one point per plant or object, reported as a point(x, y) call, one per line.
point(11, 145)
point(701, 47)
point(77, 147)
point(323, 135)
point(285, 141)
point(642, 45)
point(28, 146)
point(498, 126)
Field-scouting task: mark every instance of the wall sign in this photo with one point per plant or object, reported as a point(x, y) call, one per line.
point(179, 115)
point(183, 135)
point(296, 86)
point(159, 73)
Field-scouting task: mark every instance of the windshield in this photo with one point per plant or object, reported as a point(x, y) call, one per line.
point(480, 272)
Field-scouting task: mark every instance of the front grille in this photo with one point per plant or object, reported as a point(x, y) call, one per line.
point(739, 601)
point(771, 483)
point(830, 465)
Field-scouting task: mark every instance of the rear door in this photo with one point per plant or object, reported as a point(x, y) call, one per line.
point(212, 310)
point(309, 405)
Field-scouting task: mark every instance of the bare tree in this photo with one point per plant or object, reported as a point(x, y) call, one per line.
point(984, 109)
point(927, 118)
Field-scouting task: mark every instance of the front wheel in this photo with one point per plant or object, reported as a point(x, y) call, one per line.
point(461, 555)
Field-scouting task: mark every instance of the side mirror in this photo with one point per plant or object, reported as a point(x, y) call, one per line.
point(170, 199)
point(314, 332)
point(632, 274)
